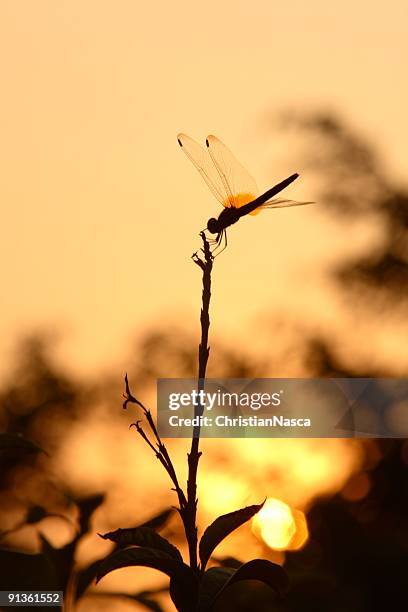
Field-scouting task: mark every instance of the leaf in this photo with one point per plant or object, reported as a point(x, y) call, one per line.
point(159, 520)
point(35, 514)
point(217, 579)
point(14, 440)
point(231, 562)
point(148, 603)
point(142, 536)
point(184, 594)
point(211, 584)
point(87, 506)
point(85, 577)
point(22, 571)
point(61, 558)
point(146, 598)
point(135, 556)
point(183, 583)
point(221, 528)
point(263, 570)
point(142, 597)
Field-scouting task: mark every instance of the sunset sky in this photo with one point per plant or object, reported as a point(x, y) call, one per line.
point(101, 210)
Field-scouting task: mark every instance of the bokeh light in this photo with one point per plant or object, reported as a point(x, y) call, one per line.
point(277, 524)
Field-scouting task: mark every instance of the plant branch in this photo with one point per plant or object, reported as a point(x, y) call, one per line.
point(159, 449)
point(206, 265)
point(188, 506)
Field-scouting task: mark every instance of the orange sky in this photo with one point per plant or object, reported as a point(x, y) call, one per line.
point(100, 209)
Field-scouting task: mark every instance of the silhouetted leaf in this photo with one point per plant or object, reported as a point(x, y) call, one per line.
point(217, 579)
point(159, 520)
point(87, 507)
point(184, 593)
point(211, 584)
point(142, 536)
point(146, 599)
point(13, 440)
point(228, 562)
point(149, 604)
point(183, 584)
point(61, 558)
point(147, 557)
point(85, 578)
point(35, 514)
point(21, 571)
point(263, 570)
point(221, 528)
point(143, 597)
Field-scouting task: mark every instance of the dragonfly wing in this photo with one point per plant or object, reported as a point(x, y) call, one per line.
point(280, 203)
point(241, 188)
point(202, 161)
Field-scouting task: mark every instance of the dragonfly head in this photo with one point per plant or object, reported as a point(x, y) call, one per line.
point(213, 226)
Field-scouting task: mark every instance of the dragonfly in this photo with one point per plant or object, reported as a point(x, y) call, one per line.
point(231, 184)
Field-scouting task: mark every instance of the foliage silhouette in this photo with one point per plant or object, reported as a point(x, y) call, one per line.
point(354, 184)
point(221, 528)
point(53, 567)
point(191, 586)
point(14, 440)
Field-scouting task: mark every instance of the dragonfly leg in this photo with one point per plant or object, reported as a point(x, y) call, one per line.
point(222, 235)
point(210, 240)
point(225, 243)
point(216, 241)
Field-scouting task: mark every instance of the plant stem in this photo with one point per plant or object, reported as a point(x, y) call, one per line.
point(187, 506)
point(159, 450)
point(203, 353)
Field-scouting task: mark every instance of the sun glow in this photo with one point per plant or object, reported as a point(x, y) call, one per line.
point(280, 527)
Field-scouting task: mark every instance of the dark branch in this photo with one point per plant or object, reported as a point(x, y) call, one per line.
point(206, 265)
point(160, 449)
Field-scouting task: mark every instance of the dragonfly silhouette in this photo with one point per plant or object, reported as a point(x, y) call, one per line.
point(231, 184)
